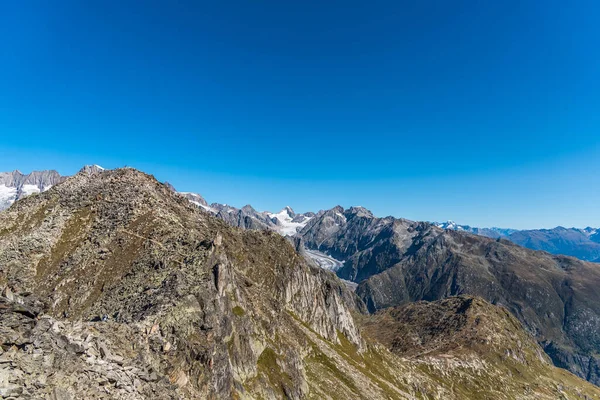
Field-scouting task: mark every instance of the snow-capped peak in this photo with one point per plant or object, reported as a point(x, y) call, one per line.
point(287, 210)
point(286, 221)
point(447, 225)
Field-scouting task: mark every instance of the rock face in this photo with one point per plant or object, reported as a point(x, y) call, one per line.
point(368, 245)
point(114, 286)
point(245, 217)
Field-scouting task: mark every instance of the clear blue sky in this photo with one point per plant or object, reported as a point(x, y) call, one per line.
point(485, 112)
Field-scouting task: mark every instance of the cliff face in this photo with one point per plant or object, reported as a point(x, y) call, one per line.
point(114, 286)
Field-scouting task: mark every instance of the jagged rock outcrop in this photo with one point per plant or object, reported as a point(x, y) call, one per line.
point(245, 217)
point(91, 169)
point(286, 222)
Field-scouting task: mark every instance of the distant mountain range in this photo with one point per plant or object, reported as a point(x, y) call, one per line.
point(16, 185)
point(114, 286)
point(493, 232)
point(393, 262)
point(581, 243)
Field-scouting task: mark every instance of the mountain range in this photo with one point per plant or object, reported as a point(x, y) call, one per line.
point(114, 224)
point(581, 243)
point(114, 286)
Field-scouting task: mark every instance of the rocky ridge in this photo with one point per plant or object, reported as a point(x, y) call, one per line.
point(122, 247)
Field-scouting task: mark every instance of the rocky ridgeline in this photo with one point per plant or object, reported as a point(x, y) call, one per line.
point(41, 179)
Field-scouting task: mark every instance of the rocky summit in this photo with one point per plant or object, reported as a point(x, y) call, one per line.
point(114, 286)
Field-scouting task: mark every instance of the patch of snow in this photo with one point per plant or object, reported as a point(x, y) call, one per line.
point(30, 189)
point(589, 231)
point(286, 227)
point(207, 208)
point(7, 196)
point(99, 167)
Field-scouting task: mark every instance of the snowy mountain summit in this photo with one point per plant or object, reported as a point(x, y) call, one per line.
point(288, 222)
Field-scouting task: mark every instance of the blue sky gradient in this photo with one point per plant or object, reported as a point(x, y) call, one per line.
point(482, 112)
